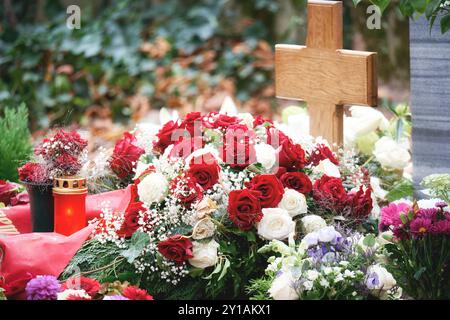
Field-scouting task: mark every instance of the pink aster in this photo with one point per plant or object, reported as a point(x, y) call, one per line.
point(390, 215)
point(420, 226)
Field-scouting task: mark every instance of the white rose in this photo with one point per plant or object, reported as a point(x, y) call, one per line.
point(283, 287)
point(266, 155)
point(152, 188)
point(247, 119)
point(205, 254)
point(327, 167)
point(81, 293)
point(391, 154)
point(275, 224)
point(203, 229)
point(363, 121)
point(378, 278)
point(293, 202)
point(312, 223)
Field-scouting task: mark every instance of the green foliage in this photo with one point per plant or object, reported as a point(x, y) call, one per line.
point(402, 189)
point(411, 8)
point(258, 288)
point(15, 142)
point(138, 242)
point(439, 185)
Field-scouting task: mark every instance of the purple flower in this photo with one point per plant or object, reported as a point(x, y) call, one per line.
point(441, 204)
point(372, 281)
point(116, 297)
point(43, 288)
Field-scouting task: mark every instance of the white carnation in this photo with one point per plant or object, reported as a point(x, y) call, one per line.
point(275, 224)
point(205, 254)
point(153, 188)
point(312, 223)
point(293, 202)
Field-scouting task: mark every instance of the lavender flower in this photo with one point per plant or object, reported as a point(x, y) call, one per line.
point(116, 297)
point(43, 288)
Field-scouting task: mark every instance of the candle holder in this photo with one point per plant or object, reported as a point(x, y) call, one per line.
point(69, 194)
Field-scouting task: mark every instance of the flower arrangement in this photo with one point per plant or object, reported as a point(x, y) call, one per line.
point(213, 189)
point(47, 287)
point(419, 251)
point(326, 264)
point(61, 155)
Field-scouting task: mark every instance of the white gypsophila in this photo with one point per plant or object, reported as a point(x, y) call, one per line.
point(282, 287)
point(265, 155)
point(145, 134)
point(327, 167)
point(293, 202)
point(378, 278)
point(81, 293)
point(153, 188)
point(312, 222)
point(391, 154)
point(205, 254)
point(275, 224)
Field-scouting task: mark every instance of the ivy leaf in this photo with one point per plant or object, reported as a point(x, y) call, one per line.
point(139, 241)
point(445, 23)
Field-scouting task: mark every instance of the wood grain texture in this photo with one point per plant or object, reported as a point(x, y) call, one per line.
point(430, 99)
point(325, 75)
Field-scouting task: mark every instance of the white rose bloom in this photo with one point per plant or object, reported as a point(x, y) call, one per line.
point(363, 121)
point(73, 292)
point(327, 167)
point(266, 155)
point(247, 119)
point(283, 287)
point(205, 254)
point(275, 224)
point(203, 229)
point(378, 278)
point(312, 223)
point(293, 202)
point(153, 188)
point(391, 154)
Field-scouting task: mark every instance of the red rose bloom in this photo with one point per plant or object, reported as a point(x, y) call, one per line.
point(125, 156)
point(216, 120)
point(134, 293)
point(166, 136)
point(190, 121)
point(91, 286)
point(270, 189)
point(237, 149)
point(206, 172)
point(177, 248)
point(15, 290)
point(291, 155)
point(275, 137)
point(330, 193)
point(187, 190)
point(296, 180)
point(259, 120)
point(131, 222)
point(360, 203)
point(322, 152)
point(244, 208)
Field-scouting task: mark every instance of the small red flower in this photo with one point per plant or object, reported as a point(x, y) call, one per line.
point(187, 190)
point(177, 248)
point(134, 293)
point(33, 172)
point(131, 222)
point(91, 286)
point(166, 136)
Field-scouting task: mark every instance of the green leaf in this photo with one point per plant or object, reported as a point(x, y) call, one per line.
point(432, 7)
point(382, 4)
point(224, 269)
point(369, 240)
point(139, 241)
point(419, 273)
point(406, 8)
point(402, 189)
point(445, 23)
point(356, 2)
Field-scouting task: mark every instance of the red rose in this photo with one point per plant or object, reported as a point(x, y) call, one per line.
point(184, 147)
point(270, 188)
point(134, 293)
point(8, 191)
point(291, 155)
point(275, 137)
point(191, 120)
point(297, 181)
point(177, 248)
point(91, 286)
point(322, 152)
point(33, 172)
point(206, 172)
point(166, 136)
point(259, 120)
point(125, 156)
point(15, 290)
point(21, 198)
point(216, 120)
point(330, 193)
point(131, 222)
point(244, 208)
point(187, 190)
point(360, 203)
point(238, 150)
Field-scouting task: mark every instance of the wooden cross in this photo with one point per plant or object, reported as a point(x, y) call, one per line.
point(323, 74)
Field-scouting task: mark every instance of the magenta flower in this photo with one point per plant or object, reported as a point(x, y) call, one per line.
point(420, 226)
point(390, 215)
point(441, 227)
point(43, 288)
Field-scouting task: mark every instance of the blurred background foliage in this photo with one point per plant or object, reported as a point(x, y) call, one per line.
point(132, 57)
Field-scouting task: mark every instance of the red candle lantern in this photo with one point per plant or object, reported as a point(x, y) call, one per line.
point(69, 194)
